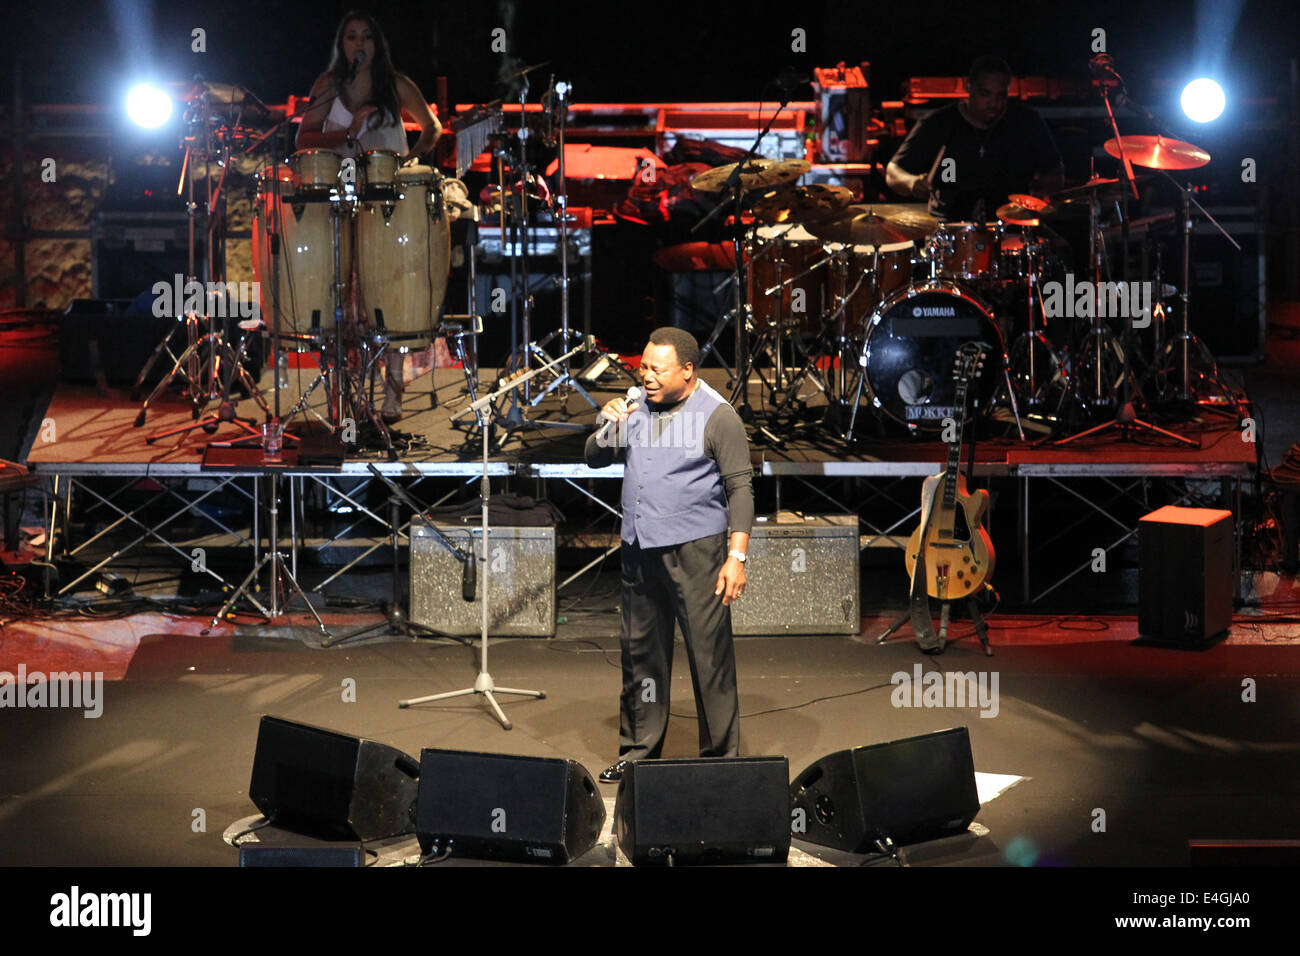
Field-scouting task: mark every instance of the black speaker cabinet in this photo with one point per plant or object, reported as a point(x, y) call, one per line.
point(1244, 852)
point(295, 855)
point(1184, 574)
point(498, 806)
point(910, 790)
point(704, 810)
point(331, 785)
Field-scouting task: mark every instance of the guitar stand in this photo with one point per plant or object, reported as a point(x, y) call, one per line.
point(972, 608)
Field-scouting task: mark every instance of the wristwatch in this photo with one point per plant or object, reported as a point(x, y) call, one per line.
point(738, 555)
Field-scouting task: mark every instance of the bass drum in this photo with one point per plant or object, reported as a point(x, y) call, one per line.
point(403, 258)
point(911, 349)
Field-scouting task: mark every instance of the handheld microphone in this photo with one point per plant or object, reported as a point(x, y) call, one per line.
point(469, 576)
point(634, 396)
point(357, 61)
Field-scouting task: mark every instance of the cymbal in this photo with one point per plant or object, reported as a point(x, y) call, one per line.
point(1030, 203)
point(1103, 189)
point(1014, 215)
point(1156, 152)
point(801, 203)
point(875, 224)
point(759, 173)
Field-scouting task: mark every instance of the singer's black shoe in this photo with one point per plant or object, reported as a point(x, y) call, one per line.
point(614, 773)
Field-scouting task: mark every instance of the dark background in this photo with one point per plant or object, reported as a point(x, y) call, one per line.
point(641, 51)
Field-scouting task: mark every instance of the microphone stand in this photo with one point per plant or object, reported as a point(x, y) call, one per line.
point(484, 684)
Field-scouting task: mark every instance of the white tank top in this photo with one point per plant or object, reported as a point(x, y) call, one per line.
point(390, 135)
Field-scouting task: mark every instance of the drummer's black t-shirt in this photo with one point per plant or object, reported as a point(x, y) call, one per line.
point(989, 163)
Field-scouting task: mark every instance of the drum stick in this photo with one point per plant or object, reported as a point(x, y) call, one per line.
point(934, 167)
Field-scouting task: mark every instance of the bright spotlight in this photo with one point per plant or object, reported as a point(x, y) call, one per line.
point(1203, 100)
point(148, 106)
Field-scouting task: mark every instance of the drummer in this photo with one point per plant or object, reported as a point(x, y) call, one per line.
point(357, 105)
point(997, 147)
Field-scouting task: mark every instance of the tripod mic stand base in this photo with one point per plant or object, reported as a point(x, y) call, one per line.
point(482, 685)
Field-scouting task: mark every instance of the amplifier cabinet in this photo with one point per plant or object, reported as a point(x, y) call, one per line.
point(520, 567)
point(801, 578)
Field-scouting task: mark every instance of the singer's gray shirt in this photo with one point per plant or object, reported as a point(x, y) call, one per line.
point(680, 460)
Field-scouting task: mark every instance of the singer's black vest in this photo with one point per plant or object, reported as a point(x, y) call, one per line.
point(672, 492)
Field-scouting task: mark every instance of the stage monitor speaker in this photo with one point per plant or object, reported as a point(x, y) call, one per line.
point(499, 806)
point(910, 790)
point(704, 810)
point(801, 577)
point(331, 785)
point(1185, 574)
point(280, 854)
point(1244, 852)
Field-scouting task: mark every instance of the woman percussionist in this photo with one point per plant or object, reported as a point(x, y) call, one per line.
point(356, 105)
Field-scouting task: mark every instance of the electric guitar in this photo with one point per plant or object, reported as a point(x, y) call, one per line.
point(951, 547)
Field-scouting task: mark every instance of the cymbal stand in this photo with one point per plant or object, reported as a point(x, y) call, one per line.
point(733, 185)
point(1033, 343)
point(202, 374)
point(565, 378)
point(1125, 420)
point(1181, 348)
point(1185, 343)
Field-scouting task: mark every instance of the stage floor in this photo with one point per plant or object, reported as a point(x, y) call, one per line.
point(1160, 739)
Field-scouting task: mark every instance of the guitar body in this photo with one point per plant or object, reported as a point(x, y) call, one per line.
point(958, 552)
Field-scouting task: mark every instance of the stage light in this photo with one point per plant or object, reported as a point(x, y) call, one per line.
point(1203, 100)
point(148, 106)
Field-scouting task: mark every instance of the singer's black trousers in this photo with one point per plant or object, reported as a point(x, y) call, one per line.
point(662, 587)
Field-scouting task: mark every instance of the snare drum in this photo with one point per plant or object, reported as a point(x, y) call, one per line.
point(968, 250)
point(403, 257)
point(306, 262)
point(315, 173)
point(774, 258)
point(378, 169)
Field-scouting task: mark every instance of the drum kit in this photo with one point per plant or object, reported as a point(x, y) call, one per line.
point(867, 303)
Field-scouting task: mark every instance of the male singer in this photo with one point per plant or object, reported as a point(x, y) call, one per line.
point(688, 507)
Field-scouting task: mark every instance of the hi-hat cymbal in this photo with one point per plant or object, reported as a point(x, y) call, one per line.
point(801, 203)
point(1156, 152)
point(876, 224)
point(759, 173)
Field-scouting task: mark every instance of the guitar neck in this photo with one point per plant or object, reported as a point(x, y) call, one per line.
point(953, 467)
